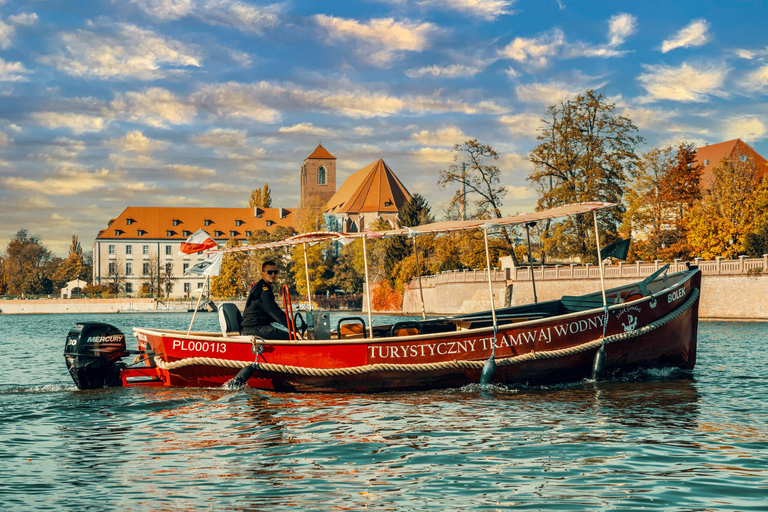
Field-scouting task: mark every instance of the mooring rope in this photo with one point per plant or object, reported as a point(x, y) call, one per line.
point(443, 365)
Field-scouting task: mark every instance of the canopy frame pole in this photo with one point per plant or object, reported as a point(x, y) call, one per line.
point(599, 260)
point(306, 271)
point(528, 226)
point(197, 306)
point(367, 288)
point(418, 273)
point(490, 286)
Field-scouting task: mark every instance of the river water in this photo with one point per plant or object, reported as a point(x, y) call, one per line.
point(662, 440)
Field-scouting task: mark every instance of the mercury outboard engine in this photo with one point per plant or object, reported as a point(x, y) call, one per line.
point(93, 353)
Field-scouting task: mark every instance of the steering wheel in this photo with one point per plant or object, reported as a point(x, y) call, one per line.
point(302, 328)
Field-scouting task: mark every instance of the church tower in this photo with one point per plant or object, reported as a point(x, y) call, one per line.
point(318, 177)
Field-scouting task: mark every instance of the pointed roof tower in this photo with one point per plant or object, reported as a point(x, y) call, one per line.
point(374, 188)
point(321, 153)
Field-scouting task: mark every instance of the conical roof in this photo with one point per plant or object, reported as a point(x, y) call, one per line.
point(320, 152)
point(374, 188)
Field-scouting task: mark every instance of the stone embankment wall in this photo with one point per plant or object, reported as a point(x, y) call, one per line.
point(730, 289)
point(34, 306)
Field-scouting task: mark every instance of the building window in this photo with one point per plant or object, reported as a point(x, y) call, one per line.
point(743, 158)
point(186, 233)
point(270, 222)
point(248, 234)
point(168, 232)
point(168, 250)
point(119, 232)
point(128, 249)
point(706, 162)
point(233, 233)
point(187, 287)
point(128, 287)
point(129, 269)
point(168, 268)
point(146, 269)
point(199, 285)
point(128, 222)
point(239, 222)
point(208, 222)
point(321, 175)
point(176, 222)
point(387, 203)
point(141, 232)
point(111, 249)
point(112, 268)
point(218, 233)
point(145, 249)
point(186, 266)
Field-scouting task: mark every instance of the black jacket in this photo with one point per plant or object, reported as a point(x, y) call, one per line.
point(260, 308)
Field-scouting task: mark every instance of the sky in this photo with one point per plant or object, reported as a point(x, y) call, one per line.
point(106, 104)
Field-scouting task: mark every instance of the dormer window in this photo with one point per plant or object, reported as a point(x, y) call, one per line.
point(128, 222)
point(218, 233)
point(270, 223)
point(119, 232)
point(706, 162)
point(248, 234)
point(186, 233)
point(743, 158)
point(176, 222)
point(169, 232)
point(141, 232)
point(233, 233)
point(208, 222)
point(283, 213)
point(258, 212)
point(387, 204)
point(239, 222)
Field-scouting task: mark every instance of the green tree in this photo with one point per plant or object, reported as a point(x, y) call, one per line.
point(586, 153)
point(230, 282)
point(415, 212)
point(25, 258)
point(261, 197)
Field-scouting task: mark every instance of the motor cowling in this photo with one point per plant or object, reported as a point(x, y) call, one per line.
point(93, 353)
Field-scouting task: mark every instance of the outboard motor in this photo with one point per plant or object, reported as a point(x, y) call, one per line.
point(93, 353)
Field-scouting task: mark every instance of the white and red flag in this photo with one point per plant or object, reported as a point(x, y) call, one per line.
point(199, 241)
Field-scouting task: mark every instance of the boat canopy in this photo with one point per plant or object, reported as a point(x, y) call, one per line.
point(448, 226)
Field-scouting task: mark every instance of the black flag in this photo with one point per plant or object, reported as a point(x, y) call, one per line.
point(616, 250)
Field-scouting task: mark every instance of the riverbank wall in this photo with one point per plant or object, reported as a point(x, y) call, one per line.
point(730, 289)
point(52, 306)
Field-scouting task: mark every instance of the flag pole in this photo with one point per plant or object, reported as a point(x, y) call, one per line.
point(418, 273)
point(197, 306)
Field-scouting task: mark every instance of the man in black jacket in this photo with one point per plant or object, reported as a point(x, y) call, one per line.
point(261, 310)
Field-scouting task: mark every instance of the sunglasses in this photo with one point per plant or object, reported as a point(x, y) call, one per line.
point(272, 272)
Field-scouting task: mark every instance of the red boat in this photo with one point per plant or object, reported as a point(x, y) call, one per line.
point(651, 323)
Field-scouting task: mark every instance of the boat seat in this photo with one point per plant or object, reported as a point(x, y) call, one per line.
point(408, 328)
point(351, 327)
point(230, 319)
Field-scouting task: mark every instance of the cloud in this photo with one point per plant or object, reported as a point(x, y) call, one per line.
point(260, 101)
point(305, 128)
point(449, 71)
point(190, 171)
point(747, 128)
point(757, 79)
point(64, 148)
point(12, 71)
point(122, 52)
point(67, 181)
point(649, 119)
point(381, 40)
point(434, 155)
point(486, 9)
point(154, 107)
point(620, 27)
point(242, 16)
point(4, 139)
point(24, 19)
point(136, 142)
point(683, 83)
point(516, 162)
point(221, 138)
point(522, 124)
point(6, 35)
point(78, 123)
point(446, 136)
point(547, 93)
point(133, 161)
point(694, 34)
point(535, 51)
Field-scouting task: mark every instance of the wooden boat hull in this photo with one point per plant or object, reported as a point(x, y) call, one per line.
point(656, 331)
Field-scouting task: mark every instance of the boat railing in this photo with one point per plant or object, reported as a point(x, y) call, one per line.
point(720, 266)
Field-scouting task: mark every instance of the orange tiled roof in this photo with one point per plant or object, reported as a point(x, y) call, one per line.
point(157, 222)
point(710, 155)
point(320, 152)
point(374, 188)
